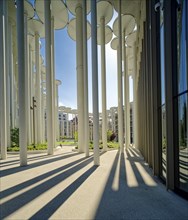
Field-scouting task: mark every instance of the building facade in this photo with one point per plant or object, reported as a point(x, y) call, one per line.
point(162, 92)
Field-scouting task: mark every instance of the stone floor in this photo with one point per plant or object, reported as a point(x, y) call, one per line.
point(68, 186)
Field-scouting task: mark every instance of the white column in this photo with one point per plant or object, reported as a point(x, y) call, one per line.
point(31, 90)
point(8, 69)
point(120, 88)
point(13, 88)
point(57, 113)
point(127, 105)
point(63, 128)
point(38, 88)
point(16, 91)
point(53, 79)
point(103, 84)
point(125, 91)
point(14, 81)
point(44, 120)
point(21, 83)
point(67, 126)
point(95, 83)
point(86, 115)
point(42, 115)
point(27, 79)
point(3, 121)
point(80, 77)
point(41, 102)
point(134, 98)
point(49, 81)
point(11, 74)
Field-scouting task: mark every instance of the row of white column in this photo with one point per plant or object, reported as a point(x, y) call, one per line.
point(82, 81)
point(3, 79)
point(24, 83)
point(82, 84)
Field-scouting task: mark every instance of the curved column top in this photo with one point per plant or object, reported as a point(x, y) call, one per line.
point(58, 82)
point(71, 29)
point(28, 8)
point(12, 10)
point(114, 46)
point(104, 10)
point(73, 4)
point(128, 25)
point(36, 26)
point(114, 43)
point(131, 39)
point(58, 11)
point(108, 34)
point(128, 7)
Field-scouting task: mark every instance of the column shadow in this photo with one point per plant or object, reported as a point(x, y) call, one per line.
point(13, 170)
point(49, 209)
point(9, 207)
point(34, 180)
point(123, 202)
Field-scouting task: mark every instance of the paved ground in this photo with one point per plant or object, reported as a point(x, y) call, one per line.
point(68, 186)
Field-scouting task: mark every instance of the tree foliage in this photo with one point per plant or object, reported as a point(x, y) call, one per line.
point(76, 136)
point(15, 137)
point(110, 135)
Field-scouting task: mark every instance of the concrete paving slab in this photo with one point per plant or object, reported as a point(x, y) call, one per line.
point(68, 186)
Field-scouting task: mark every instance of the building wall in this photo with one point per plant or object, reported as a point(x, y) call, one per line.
point(162, 92)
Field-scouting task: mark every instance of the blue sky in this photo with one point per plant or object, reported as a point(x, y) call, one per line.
point(65, 70)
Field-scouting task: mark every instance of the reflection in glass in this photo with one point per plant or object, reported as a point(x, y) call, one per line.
point(181, 46)
point(164, 144)
point(183, 95)
point(162, 107)
point(162, 62)
point(183, 142)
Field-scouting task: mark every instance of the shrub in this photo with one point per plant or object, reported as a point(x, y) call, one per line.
point(15, 137)
point(13, 148)
point(113, 136)
point(76, 136)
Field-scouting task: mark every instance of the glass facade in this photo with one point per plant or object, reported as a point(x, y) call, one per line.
point(164, 142)
point(162, 103)
point(182, 46)
point(183, 143)
point(182, 94)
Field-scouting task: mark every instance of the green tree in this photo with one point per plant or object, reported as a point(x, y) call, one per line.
point(15, 137)
point(109, 134)
point(76, 136)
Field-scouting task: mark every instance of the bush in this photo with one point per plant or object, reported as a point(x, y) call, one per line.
point(109, 134)
point(14, 148)
point(112, 137)
point(114, 145)
point(30, 147)
point(15, 137)
point(76, 136)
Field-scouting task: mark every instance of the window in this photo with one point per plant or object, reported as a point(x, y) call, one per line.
point(162, 106)
point(182, 96)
